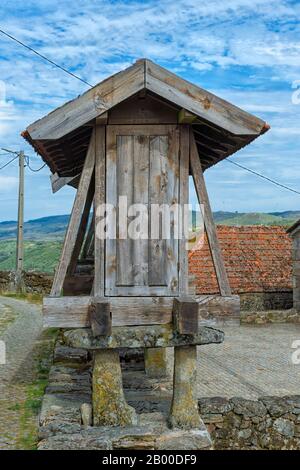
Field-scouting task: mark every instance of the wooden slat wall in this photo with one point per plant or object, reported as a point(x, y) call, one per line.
point(143, 164)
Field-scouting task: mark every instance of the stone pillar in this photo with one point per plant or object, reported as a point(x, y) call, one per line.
point(155, 362)
point(184, 410)
point(109, 404)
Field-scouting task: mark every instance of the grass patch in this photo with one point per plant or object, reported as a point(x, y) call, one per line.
point(29, 410)
point(39, 256)
point(28, 296)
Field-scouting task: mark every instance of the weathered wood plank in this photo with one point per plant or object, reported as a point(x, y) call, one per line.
point(72, 312)
point(100, 319)
point(159, 179)
point(210, 227)
point(201, 102)
point(82, 228)
point(91, 104)
point(140, 196)
point(185, 315)
point(147, 110)
point(88, 239)
point(75, 219)
point(58, 182)
point(133, 153)
point(78, 284)
point(218, 309)
point(125, 187)
point(99, 243)
point(184, 199)
point(185, 117)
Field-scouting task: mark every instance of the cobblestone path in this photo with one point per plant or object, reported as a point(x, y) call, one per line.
point(20, 377)
point(253, 361)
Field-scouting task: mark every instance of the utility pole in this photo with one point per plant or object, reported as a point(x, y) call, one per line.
point(20, 239)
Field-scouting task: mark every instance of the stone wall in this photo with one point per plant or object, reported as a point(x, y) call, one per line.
point(263, 317)
point(296, 270)
point(266, 423)
point(37, 283)
point(259, 301)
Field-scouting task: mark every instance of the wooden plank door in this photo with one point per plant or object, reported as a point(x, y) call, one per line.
point(143, 165)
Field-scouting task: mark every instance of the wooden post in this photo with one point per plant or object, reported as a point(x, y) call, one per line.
point(20, 240)
point(99, 199)
point(82, 229)
point(208, 218)
point(185, 316)
point(88, 240)
point(100, 317)
point(75, 219)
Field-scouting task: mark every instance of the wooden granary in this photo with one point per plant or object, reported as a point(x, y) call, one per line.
point(129, 135)
point(140, 134)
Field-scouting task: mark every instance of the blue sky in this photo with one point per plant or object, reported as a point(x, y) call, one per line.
point(246, 51)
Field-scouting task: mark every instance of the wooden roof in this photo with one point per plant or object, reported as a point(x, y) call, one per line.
point(220, 128)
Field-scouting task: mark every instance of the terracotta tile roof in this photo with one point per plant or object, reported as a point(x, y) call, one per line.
point(257, 259)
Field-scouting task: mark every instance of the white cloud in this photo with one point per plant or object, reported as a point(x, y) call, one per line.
point(8, 183)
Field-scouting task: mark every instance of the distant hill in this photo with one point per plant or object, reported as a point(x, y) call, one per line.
point(46, 228)
point(54, 227)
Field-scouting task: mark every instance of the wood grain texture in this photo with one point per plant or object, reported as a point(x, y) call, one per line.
point(91, 104)
point(184, 199)
point(143, 165)
point(72, 312)
point(185, 315)
point(99, 243)
point(200, 102)
point(82, 228)
point(100, 319)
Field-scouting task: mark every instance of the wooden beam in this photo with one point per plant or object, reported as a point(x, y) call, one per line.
point(99, 200)
point(185, 117)
point(78, 284)
point(58, 182)
point(183, 199)
point(208, 218)
point(90, 104)
point(145, 74)
point(185, 315)
point(100, 317)
point(102, 119)
point(89, 239)
point(201, 102)
point(74, 223)
point(82, 229)
point(72, 312)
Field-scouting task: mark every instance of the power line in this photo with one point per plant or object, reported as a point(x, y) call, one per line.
point(262, 176)
point(27, 160)
point(44, 57)
point(35, 170)
point(8, 163)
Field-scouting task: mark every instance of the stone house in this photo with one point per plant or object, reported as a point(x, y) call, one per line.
point(294, 232)
point(258, 261)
